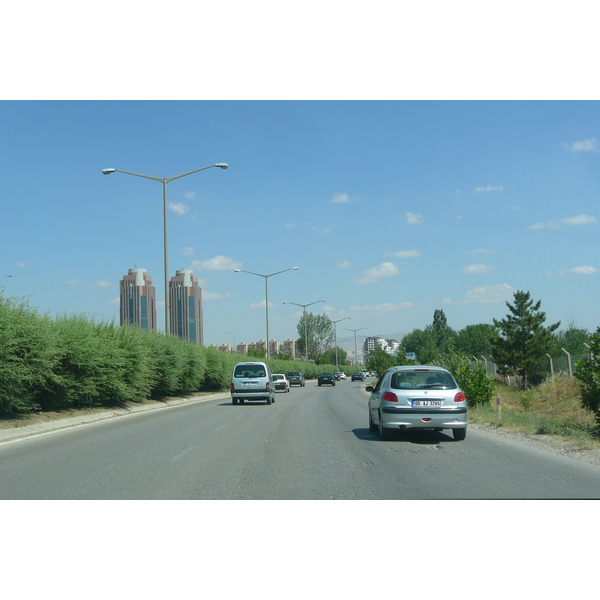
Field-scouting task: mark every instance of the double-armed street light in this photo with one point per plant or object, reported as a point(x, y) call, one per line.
point(164, 181)
point(335, 333)
point(305, 330)
point(355, 348)
point(266, 277)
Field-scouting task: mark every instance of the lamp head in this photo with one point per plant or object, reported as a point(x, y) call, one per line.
point(108, 171)
point(294, 268)
point(236, 270)
point(222, 165)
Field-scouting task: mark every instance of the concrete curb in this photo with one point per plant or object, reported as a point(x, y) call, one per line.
point(21, 433)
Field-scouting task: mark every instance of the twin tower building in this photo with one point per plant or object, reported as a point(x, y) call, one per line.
point(138, 304)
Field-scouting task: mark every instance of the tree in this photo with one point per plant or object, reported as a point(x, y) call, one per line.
point(328, 357)
point(256, 353)
point(476, 340)
point(380, 361)
point(320, 334)
point(522, 340)
point(572, 339)
point(437, 338)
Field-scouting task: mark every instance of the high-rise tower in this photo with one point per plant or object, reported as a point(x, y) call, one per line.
point(138, 299)
point(185, 297)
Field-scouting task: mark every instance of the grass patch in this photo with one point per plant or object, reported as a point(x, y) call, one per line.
point(552, 408)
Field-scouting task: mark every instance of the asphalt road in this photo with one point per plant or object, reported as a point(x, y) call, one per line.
point(313, 443)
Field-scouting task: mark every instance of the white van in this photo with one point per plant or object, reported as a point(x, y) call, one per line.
point(252, 381)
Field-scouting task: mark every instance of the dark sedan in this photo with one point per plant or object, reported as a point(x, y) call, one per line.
point(326, 379)
point(359, 376)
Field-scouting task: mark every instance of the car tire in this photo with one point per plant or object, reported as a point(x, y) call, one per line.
point(268, 400)
point(384, 433)
point(372, 425)
point(234, 401)
point(459, 434)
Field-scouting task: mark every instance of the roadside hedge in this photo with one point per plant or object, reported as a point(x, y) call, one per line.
point(74, 362)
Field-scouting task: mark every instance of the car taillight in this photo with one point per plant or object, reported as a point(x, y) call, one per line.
point(267, 385)
point(389, 397)
point(232, 386)
point(460, 397)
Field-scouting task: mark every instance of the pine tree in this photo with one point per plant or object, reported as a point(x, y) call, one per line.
point(522, 341)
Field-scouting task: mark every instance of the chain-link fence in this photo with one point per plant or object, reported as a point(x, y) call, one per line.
point(565, 363)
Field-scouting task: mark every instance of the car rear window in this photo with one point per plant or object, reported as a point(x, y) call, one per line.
point(419, 379)
point(249, 371)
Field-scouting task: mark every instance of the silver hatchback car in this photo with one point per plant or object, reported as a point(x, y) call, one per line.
point(417, 397)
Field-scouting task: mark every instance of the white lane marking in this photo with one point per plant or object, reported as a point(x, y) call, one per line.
point(181, 454)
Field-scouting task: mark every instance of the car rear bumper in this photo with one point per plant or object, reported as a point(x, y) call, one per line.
point(406, 418)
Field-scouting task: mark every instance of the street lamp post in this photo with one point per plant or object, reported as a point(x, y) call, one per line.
point(335, 333)
point(164, 182)
point(355, 348)
point(233, 334)
point(266, 297)
point(305, 330)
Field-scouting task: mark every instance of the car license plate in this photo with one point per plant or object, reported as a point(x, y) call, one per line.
point(427, 403)
point(250, 383)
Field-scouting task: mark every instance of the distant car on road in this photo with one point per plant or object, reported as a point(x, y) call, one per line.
point(326, 378)
point(252, 381)
point(417, 397)
point(341, 375)
point(358, 376)
point(296, 378)
point(281, 382)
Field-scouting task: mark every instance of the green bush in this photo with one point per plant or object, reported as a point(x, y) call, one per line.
point(473, 381)
point(27, 355)
point(588, 373)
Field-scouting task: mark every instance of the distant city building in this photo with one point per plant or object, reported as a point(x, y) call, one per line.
point(242, 348)
point(291, 347)
point(389, 346)
point(185, 298)
point(224, 348)
point(260, 345)
point(274, 347)
point(138, 300)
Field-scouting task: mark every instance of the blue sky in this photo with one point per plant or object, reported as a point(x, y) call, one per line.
point(389, 209)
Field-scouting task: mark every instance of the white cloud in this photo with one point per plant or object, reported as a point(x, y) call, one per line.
point(189, 251)
point(22, 264)
point(117, 300)
point(218, 263)
point(414, 219)
point(261, 304)
point(103, 284)
point(341, 198)
point(583, 145)
point(214, 295)
point(480, 251)
point(386, 269)
point(180, 208)
point(190, 195)
point(407, 253)
point(289, 225)
point(74, 282)
point(548, 225)
point(344, 264)
point(585, 270)
point(579, 220)
point(477, 269)
point(489, 294)
point(384, 307)
point(321, 229)
point(489, 188)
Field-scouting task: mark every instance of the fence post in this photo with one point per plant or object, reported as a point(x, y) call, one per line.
point(569, 360)
point(590, 349)
point(551, 365)
point(498, 408)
